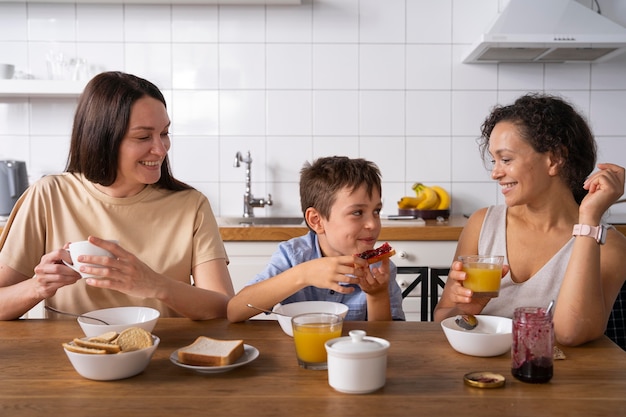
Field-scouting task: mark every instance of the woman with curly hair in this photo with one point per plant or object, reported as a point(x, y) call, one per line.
point(550, 228)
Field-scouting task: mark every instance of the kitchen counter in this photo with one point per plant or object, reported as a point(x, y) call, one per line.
point(392, 230)
point(410, 230)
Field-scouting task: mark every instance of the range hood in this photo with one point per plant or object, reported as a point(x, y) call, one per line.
point(548, 31)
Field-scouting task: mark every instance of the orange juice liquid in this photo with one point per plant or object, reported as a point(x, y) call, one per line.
point(310, 340)
point(483, 279)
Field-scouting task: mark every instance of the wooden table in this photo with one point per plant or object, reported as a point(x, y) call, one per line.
point(424, 378)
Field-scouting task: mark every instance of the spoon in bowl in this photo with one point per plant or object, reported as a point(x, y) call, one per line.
point(466, 321)
point(54, 310)
point(268, 311)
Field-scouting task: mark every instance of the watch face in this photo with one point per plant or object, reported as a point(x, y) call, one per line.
point(602, 234)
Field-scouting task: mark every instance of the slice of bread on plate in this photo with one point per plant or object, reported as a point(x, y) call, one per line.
point(206, 351)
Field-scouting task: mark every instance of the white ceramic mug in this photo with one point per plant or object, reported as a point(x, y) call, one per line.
point(85, 247)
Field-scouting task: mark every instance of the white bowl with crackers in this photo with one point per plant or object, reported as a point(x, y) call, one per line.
point(302, 307)
point(111, 355)
point(119, 318)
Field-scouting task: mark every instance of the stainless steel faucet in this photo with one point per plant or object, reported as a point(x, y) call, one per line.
point(249, 202)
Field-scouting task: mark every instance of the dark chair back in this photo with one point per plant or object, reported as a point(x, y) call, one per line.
point(616, 327)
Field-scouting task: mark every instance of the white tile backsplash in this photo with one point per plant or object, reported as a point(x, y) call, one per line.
point(242, 112)
point(242, 66)
point(194, 66)
point(241, 24)
point(364, 78)
point(428, 67)
point(288, 66)
point(13, 21)
point(382, 113)
point(51, 22)
point(336, 66)
point(193, 23)
point(335, 113)
point(429, 22)
point(287, 24)
point(428, 113)
point(195, 112)
point(100, 23)
point(336, 21)
point(14, 117)
point(382, 67)
point(384, 24)
point(147, 23)
point(289, 112)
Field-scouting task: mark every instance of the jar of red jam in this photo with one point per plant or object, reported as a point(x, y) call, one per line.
point(533, 344)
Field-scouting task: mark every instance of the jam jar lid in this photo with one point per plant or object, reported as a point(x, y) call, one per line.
point(357, 342)
point(484, 379)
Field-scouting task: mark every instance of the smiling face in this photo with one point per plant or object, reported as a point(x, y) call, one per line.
point(354, 222)
point(524, 174)
point(143, 148)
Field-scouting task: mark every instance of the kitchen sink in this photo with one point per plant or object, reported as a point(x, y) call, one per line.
point(260, 221)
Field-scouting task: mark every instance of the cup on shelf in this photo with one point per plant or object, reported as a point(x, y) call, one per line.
point(7, 71)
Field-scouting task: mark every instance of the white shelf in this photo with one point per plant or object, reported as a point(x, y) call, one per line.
point(41, 88)
point(223, 2)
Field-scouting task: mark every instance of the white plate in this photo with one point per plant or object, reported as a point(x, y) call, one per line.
point(250, 353)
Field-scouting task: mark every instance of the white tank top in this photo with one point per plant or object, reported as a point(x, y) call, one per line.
point(536, 291)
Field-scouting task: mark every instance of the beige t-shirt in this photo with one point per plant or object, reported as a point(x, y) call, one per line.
point(169, 231)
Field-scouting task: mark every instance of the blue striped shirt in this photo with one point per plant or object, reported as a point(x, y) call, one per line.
point(306, 248)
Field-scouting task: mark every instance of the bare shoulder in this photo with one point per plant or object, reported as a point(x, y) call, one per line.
point(615, 241)
point(613, 257)
point(468, 240)
point(475, 222)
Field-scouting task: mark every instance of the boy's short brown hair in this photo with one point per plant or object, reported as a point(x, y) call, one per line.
point(325, 177)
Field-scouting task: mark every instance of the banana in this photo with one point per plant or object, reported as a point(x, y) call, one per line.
point(431, 201)
point(408, 202)
point(418, 187)
point(444, 197)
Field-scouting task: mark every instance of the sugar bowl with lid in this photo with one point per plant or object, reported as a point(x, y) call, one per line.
point(357, 364)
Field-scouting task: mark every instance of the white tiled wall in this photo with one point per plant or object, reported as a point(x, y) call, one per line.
point(380, 79)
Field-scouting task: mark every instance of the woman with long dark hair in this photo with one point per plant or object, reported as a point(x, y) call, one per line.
point(117, 185)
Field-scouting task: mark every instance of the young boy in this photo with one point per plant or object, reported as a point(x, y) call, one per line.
point(341, 202)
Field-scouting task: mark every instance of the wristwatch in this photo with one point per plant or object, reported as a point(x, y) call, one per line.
point(596, 232)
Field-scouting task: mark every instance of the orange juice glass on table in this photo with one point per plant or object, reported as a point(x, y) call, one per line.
point(310, 333)
point(484, 274)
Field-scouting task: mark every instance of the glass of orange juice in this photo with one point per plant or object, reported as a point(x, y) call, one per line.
point(310, 333)
point(484, 273)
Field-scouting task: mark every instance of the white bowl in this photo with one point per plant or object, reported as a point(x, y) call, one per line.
point(112, 366)
point(293, 309)
point(119, 318)
point(492, 336)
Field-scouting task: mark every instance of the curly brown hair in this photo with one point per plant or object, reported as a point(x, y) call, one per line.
point(549, 124)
